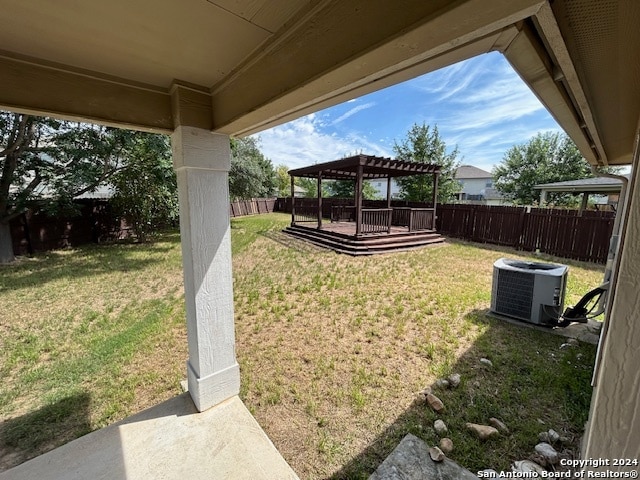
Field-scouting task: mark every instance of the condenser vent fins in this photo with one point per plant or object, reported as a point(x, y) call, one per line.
point(514, 293)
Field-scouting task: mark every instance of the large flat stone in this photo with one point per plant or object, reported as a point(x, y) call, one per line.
point(411, 461)
point(169, 441)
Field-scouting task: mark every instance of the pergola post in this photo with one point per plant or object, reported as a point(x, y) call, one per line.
point(388, 192)
point(319, 200)
point(435, 198)
point(202, 161)
point(585, 202)
point(543, 198)
point(293, 201)
point(358, 199)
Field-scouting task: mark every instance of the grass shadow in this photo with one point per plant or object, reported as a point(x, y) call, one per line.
point(548, 387)
point(34, 433)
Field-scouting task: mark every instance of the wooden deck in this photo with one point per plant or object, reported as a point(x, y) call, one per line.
point(341, 237)
point(349, 229)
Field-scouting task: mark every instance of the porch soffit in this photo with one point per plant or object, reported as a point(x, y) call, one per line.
point(240, 66)
point(258, 72)
point(372, 167)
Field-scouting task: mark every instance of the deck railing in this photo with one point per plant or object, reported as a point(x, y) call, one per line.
point(376, 220)
point(343, 213)
point(401, 216)
point(305, 214)
point(421, 219)
point(415, 219)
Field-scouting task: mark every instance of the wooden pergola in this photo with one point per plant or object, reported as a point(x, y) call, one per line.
point(368, 221)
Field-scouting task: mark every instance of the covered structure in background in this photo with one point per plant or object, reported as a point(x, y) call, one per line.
point(358, 229)
point(202, 70)
point(611, 187)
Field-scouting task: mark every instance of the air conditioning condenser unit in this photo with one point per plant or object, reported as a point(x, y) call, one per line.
point(529, 291)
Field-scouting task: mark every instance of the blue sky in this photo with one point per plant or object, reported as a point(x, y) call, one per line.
point(480, 105)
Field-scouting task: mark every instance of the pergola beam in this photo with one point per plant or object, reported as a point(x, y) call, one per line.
point(372, 168)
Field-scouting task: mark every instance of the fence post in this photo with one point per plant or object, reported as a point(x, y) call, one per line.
point(523, 213)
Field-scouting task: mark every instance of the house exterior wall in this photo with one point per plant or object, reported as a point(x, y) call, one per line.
point(474, 186)
point(381, 187)
point(613, 430)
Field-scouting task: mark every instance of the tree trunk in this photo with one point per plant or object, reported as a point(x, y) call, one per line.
point(6, 245)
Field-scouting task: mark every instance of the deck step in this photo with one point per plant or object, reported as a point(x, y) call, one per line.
point(372, 239)
point(370, 245)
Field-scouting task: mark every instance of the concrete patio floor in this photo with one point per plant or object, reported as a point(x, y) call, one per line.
point(169, 441)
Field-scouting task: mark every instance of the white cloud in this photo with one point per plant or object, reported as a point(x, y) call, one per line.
point(353, 111)
point(450, 81)
point(303, 142)
point(481, 105)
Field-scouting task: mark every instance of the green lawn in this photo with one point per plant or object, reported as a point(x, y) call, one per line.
point(333, 350)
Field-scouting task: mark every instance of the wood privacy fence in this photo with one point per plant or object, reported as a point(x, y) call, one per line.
point(240, 208)
point(95, 223)
point(564, 233)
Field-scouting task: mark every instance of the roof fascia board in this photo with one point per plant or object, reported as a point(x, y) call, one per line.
point(546, 22)
point(267, 91)
point(29, 87)
point(531, 61)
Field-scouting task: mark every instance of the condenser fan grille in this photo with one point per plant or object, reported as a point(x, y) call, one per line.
point(514, 293)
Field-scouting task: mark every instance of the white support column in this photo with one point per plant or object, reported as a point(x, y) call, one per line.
point(202, 161)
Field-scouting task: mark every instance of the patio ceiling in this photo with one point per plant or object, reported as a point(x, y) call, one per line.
point(372, 167)
point(240, 66)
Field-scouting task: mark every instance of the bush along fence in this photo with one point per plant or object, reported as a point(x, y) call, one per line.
point(95, 222)
point(565, 233)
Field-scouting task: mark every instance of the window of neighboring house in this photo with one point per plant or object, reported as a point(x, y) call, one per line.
point(489, 184)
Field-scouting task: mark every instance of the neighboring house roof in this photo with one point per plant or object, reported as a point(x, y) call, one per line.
point(596, 184)
point(464, 172)
point(103, 192)
point(298, 189)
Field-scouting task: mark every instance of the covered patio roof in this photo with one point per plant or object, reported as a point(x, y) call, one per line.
point(372, 167)
point(592, 185)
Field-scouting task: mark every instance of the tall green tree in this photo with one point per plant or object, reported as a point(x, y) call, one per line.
point(310, 186)
point(347, 189)
point(546, 158)
point(424, 145)
point(146, 191)
point(283, 181)
point(52, 161)
point(252, 174)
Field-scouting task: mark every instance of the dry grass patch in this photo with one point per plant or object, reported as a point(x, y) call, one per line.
point(334, 349)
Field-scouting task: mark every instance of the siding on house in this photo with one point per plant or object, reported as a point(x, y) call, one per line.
point(476, 186)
